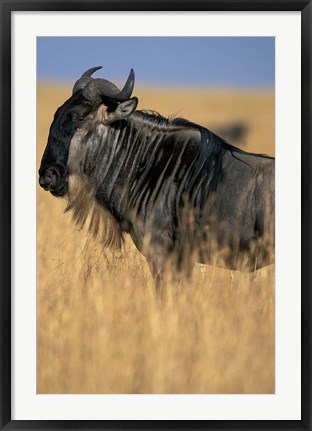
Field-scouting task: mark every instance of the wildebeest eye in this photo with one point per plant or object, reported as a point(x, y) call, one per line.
point(80, 118)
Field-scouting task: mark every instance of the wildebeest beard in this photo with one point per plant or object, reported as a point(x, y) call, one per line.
point(85, 209)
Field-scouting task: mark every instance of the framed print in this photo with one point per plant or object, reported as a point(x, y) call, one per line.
point(154, 263)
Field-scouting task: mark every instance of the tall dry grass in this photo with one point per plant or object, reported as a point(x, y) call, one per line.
point(102, 329)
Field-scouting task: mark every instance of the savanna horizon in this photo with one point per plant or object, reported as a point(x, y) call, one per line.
point(102, 329)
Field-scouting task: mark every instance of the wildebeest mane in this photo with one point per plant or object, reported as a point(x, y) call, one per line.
point(206, 172)
point(153, 117)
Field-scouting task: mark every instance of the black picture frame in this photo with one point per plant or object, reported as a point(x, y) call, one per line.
point(7, 7)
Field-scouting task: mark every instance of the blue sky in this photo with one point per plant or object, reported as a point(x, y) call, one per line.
point(200, 61)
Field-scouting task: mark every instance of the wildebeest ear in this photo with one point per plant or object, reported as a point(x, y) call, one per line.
point(123, 109)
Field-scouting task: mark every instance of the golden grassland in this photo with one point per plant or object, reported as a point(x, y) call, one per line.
point(100, 326)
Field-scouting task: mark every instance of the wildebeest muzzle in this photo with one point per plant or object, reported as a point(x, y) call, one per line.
point(53, 181)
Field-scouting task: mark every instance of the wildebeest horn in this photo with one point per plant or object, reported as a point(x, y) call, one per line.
point(126, 92)
point(85, 79)
point(98, 88)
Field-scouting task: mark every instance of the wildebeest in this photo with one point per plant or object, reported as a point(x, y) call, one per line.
point(180, 191)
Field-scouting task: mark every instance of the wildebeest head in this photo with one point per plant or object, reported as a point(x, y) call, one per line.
point(80, 110)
